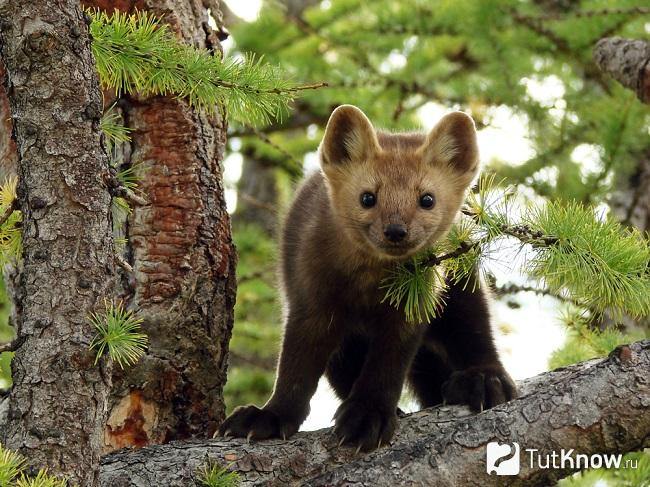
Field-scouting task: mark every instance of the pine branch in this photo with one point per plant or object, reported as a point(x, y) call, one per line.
point(593, 13)
point(536, 26)
point(13, 345)
point(121, 191)
point(518, 288)
point(427, 448)
point(8, 212)
point(138, 54)
point(292, 165)
point(599, 265)
point(123, 263)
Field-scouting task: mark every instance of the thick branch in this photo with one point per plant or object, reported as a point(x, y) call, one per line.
point(627, 61)
point(599, 406)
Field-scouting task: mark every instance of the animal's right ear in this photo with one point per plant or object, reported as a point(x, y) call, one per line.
point(349, 137)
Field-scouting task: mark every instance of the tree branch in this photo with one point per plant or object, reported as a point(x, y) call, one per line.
point(599, 406)
point(627, 61)
point(8, 212)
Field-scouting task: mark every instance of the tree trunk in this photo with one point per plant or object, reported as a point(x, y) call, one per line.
point(54, 415)
point(180, 248)
point(599, 406)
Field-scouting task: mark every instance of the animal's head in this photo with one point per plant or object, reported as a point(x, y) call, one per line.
point(395, 194)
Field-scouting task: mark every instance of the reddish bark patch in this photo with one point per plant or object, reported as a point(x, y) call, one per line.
point(8, 154)
point(168, 229)
point(111, 5)
point(130, 423)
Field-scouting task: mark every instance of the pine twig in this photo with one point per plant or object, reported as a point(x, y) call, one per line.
point(536, 26)
point(595, 13)
point(117, 189)
point(119, 260)
point(251, 200)
point(253, 275)
point(8, 212)
point(294, 169)
point(13, 345)
point(463, 248)
point(129, 195)
point(517, 288)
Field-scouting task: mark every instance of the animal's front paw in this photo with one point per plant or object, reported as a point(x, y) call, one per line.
point(364, 424)
point(479, 387)
point(259, 424)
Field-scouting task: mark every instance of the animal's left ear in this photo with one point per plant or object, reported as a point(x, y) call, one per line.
point(452, 142)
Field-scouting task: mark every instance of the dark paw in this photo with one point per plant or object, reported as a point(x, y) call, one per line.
point(479, 387)
point(258, 424)
point(364, 425)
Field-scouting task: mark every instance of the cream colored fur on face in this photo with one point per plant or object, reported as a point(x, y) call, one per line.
point(398, 169)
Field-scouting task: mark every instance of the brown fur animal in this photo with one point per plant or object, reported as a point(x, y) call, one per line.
point(379, 199)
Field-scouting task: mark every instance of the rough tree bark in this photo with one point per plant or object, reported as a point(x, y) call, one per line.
point(599, 406)
point(180, 248)
point(54, 414)
point(627, 61)
point(8, 153)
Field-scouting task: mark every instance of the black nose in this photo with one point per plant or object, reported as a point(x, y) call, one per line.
point(395, 232)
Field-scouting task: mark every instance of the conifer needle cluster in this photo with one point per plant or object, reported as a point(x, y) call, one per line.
point(13, 472)
point(599, 264)
point(139, 54)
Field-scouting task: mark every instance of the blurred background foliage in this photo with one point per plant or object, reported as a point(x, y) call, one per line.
point(523, 65)
point(519, 66)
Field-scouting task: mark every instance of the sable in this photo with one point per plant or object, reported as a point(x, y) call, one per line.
point(379, 199)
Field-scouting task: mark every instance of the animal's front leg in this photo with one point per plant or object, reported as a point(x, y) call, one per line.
point(306, 346)
point(367, 418)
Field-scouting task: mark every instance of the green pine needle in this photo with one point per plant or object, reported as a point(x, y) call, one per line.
point(138, 54)
point(12, 465)
point(213, 475)
point(113, 129)
point(600, 263)
point(118, 331)
point(130, 176)
point(42, 479)
point(10, 231)
point(417, 288)
point(121, 208)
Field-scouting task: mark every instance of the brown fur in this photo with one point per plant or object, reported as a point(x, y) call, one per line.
point(335, 256)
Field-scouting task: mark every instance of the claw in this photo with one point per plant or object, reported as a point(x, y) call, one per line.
point(358, 450)
point(341, 441)
point(379, 444)
point(249, 437)
point(481, 407)
point(444, 402)
point(228, 434)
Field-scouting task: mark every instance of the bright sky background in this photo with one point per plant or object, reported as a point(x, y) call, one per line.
point(525, 336)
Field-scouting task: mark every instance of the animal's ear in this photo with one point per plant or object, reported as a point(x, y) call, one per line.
point(453, 142)
point(349, 137)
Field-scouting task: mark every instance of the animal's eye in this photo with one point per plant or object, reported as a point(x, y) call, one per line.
point(427, 201)
point(368, 200)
